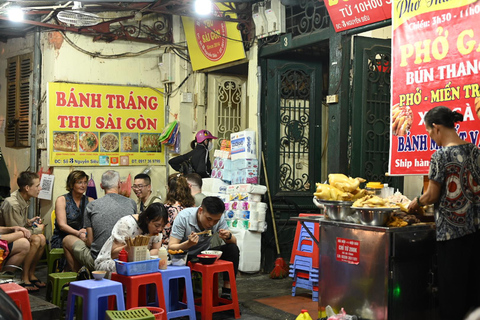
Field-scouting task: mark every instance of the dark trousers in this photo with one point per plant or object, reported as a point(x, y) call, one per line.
point(458, 276)
point(230, 253)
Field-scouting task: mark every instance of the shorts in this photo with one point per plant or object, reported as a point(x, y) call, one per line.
point(10, 247)
point(82, 254)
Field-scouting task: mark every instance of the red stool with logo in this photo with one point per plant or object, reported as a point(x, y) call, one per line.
point(210, 302)
point(19, 295)
point(135, 286)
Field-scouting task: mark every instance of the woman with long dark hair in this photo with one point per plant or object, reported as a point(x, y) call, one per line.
point(150, 222)
point(179, 197)
point(199, 157)
point(454, 189)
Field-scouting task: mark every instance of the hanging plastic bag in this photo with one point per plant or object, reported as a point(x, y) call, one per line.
point(91, 189)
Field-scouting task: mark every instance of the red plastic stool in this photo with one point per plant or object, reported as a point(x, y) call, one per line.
point(20, 296)
point(135, 286)
point(210, 302)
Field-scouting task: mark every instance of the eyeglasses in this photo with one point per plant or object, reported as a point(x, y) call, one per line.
point(139, 186)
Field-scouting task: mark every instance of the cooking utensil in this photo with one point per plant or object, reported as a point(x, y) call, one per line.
point(335, 210)
point(374, 216)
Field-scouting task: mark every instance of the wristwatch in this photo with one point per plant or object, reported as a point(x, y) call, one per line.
point(229, 237)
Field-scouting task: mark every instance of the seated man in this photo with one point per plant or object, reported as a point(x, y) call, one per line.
point(142, 187)
point(209, 216)
point(14, 213)
point(195, 183)
point(99, 218)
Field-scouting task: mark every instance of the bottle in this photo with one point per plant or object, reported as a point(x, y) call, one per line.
point(162, 255)
point(304, 315)
point(123, 255)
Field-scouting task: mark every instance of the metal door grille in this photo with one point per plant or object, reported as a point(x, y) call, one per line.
point(294, 131)
point(377, 118)
point(230, 112)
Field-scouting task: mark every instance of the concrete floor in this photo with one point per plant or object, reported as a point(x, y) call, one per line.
point(259, 297)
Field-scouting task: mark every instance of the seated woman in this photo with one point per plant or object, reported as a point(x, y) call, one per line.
point(149, 222)
point(69, 210)
point(179, 196)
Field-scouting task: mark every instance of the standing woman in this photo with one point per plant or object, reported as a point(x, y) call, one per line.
point(199, 156)
point(454, 188)
point(179, 197)
point(69, 210)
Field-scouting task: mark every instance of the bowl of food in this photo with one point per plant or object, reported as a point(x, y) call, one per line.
point(178, 257)
point(374, 216)
point(336, 210)
point(98, 274)
point(214, 252)
point(207, 258)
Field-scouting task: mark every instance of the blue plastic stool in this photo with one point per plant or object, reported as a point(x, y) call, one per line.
point(176, 308)
point(95, 295)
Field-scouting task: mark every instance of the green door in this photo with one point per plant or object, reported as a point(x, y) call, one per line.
point(371, 111)
point(291, 122)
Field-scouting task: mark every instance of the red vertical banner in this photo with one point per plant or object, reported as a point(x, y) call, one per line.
point(435, 62)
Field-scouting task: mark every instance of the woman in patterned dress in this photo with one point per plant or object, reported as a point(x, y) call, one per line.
point(454, 189)
point(179, 196)
point(150, 222)
point(69, 209)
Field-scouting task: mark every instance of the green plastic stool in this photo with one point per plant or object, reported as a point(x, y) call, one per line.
point(52, 256)
point(55, 283)
point(138, 314)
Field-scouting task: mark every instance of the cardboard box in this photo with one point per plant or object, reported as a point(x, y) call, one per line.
point(244, 145)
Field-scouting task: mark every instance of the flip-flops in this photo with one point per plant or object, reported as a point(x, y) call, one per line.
point(31, 288)
point(39, 284)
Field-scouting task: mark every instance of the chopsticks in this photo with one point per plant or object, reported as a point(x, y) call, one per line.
point(209, 232)
point(137, 241)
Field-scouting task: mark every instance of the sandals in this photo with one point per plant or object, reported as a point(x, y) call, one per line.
point(39, 284)
point(31, 288)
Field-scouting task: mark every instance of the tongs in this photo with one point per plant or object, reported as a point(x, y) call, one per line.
point(207, 232)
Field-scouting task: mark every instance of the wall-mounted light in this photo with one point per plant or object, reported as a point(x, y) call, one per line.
point(203, 7)
point(15, 14)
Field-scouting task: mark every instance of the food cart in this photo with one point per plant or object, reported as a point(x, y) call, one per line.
point(375, 272)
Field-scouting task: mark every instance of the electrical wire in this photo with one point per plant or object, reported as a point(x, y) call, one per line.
point(113, 56)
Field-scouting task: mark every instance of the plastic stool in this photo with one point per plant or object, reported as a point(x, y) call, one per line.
point(136, 292)
point(138, 314)
point(55, 283)
point(176, 308)
point(95, 295)
point(210, 301)
point(19, 295)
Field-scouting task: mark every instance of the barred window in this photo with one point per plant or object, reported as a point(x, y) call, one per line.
point(18, 73)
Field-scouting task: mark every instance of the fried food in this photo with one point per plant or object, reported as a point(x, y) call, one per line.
point(127, 143)
point(402, 118)
point(371, 201)
point(179, 251)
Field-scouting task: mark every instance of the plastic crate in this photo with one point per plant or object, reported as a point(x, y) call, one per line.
point(139, 314)
point(138, 267)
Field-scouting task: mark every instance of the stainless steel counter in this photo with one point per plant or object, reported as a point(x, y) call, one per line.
point(377, 272)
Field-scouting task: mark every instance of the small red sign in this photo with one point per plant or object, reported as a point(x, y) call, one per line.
point(347, 14)
point(348, 251)
point(211, 37)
